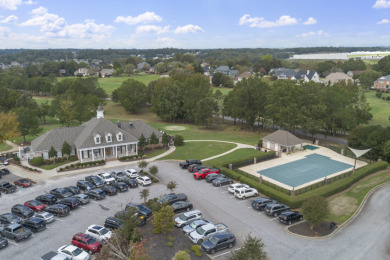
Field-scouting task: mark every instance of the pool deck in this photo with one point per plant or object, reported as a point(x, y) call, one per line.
point(254, 168)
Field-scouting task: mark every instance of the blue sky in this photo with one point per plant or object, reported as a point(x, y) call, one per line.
point(41, 24)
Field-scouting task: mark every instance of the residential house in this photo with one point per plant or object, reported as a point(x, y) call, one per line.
point(225, 70)
point(352, 73)
point(244, 75)
point(281, 141)
point(82, 72)
point(337, 77)
point(305, 75)
point(282, 73)
point(143, 66)
point(105, 73)
point(62, 72)
point(383, 83)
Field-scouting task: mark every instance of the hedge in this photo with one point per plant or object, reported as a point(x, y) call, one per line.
point(37, 161)
point(249, 160)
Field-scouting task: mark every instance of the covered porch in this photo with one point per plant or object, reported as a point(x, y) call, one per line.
point(107, 152)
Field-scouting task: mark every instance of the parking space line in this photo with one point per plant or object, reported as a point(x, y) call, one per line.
point(48, 227)
point(242, 201)
point(216, 188)
point(261, 212)
point(59, 219)
point(95, 202)
point(233, 196)
point(83, 207)
point(13, 243)
point(226, 252)
point(273, 219)
point(225, 191)
point(249, 207)
point(72, 213)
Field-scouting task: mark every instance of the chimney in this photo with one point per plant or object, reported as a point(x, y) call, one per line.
point(131, 124)
point(118, 124)
point(99, 112)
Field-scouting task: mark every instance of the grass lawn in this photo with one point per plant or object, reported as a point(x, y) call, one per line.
point(199, 150)
point(235, 155)
point(51, 123)
point(40, 100)
point(52, 166)
point(156, 152)
point(4, 147)
point(344, 205)
point(225, 91)
point(380, 109)
point(112, 83)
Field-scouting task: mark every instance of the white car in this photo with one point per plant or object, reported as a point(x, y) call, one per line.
point(131, 173)
point(107, 178)
point(244, 193)
point(46, 216)
point(186, 218)
point(73, 252)
point(99, 232)
point(144, 180)
point(233, 187)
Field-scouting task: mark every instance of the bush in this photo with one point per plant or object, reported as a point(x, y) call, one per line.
point(73, 158)
point(170, 243)
point(66, 167)
point(196, 249)
point(37, 161)
point(61, 169)
point(16, 159)
point(72, 165)
point(179, 140)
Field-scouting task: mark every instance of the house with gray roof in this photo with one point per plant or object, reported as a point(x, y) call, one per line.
point(281, 141)
point(225, 70)
point(96, 139)
point(337, 77)
point(105, 73)
point(383, 83)
point(305, 75)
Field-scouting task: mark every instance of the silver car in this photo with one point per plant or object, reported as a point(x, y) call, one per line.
point(46, 216)
point(193, 225)
point(83, 198)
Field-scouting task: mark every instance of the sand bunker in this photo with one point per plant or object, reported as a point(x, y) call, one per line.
point(175, 128)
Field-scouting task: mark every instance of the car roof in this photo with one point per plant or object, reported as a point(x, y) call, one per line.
point(189, 213)
point(68, 247)
point(96, 227)
point(222, 235)
point(15, 225)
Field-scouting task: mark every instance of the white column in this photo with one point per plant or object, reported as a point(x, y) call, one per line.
point(104, 153)
point(81, 156)
point(93, 156)
point(136, 148)
point(115, 151)
point(127, 152)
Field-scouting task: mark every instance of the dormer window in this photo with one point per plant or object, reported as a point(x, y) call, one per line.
point(109, 138)
point(119, 136)
point(98, 139)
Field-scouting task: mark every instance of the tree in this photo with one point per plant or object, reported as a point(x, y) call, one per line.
point(204, 110)
point(163, 221)
point(353, 64)
point(142, 165)
point(144, 194)
point(153, 139)
point(132, 95)
point(128, 68)
point(28, 122)
point(383, 66)
point(44, 108)
point(142, 141)
point(315, 210)
point(153, 170)
point(386, 151)
point(253, 249)
point(165, 139)
point(368, 77)
point(171, 186)
point(52, 152)
point(66, 149)
point(179, 140)
point(9, 126)
point(182, 255)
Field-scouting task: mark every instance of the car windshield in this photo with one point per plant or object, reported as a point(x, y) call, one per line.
point(103, 231)
point(213, 240)
point(142, 207)
point(91, 241)
point(193, 225)
point(77, 251)
point(19, 230)
point(35, 203)
point(200, 230)
point(183, 217)
point(120, 174)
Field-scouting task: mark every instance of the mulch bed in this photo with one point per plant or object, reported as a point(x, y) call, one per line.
point(303, 229)
point(157, 244)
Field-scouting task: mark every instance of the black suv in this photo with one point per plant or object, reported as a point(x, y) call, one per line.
point(95, 180)
point(119, 176)
point(218, 241)
point(212, 176)
point(131, 183)
point(61, 193)
point(141, 209)
point(261, 202)
point(275, 209)
point(7, 187)
point(72, 203)
point(96, 194)
point(58, 210)
point(110, 190)
point(48, 199)
point(194, 167)
point(123, 214)
point(184, 165)
point(120, 186)
point(85, 185)
point(288, 217)
point(34, 224)
point(73, 189)
point(22, 211)
point(172, 198)
point(113, 223)
point(8, 218)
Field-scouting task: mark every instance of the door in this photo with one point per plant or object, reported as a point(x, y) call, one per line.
point(276, 147)
point(268, 145)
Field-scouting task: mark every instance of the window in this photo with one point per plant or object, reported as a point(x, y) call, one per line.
point(119, 136)
point(98, 139)
point(109, 138)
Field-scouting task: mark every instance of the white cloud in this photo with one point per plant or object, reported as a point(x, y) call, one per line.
point(319, 33)
point(152, 28)
point(39, 10)
point(383, 21)
point(381, 4)
point(30, 2)
point(310, 21)
point(260, 22)
point(48, 22)
point(9, 19)
point(10, 4)
point(148, 17)
point(166, 41)
point(189, 28)
point(3, 31)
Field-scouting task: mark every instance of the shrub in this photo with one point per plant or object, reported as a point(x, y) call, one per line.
point(170, 243)
point(179, 140)
point(72, 165)
point(37, 161)
point(17, 159)
point(196, 249)
point(73, 158)
point(66, 167)
point(171, 238)
point(61, 169)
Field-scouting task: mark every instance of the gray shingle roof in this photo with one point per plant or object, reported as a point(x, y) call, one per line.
point(283, 138)
point(56, 138)
point(140, 127)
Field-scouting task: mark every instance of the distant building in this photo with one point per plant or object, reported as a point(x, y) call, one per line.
point(105, 73)
point(281, 141)
point(337, 77)
point(225, 70)
point(143, 66)
point(305, 75)
point(383, 83)
point(82, 72)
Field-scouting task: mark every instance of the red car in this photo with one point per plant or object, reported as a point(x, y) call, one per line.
point(202, 173)
point(86, 242)
point(35, 205)
point(23, 183)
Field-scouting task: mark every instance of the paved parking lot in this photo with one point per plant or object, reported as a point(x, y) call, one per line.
point(217, 205)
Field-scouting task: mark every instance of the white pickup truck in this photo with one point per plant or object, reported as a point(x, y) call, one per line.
point(204, 232)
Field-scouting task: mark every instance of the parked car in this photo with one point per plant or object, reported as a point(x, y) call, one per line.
point(96, 194)
point(261, 202)
point(209, 178)
point(85, 185)
point(8, 218)
point(83, 198)
point(140, 217)
point(54, 256)
point(35, 205)
point(132, 183)
point(202, 173)
point(222, 181)
point(118, 176)
point(5, 171)
point(34, 224)
point(232, 187)
point(95, 180)
point(61, 193)
point(86, 242)
point(187, 217)
point(72, 203)
point(113, 223)
point(184, 165)
point(182, 206)
point(23, 183)
point(275, 209)
point(195, 167)
point(288, 217)
point(141, 209)
point(120, 186)
point(3, 242)
point(7, 187)
point(22, 211)
point(144, 180)
point(187, 229)
point(107, 178)
point(58, 210)
point(3, 161)
point(48, 199)
point(46, 216)
point(109, 190)
point(15, 231)
point(204, 232)
point(218, 242)
point(73, 252)
point(99, 232)
point(131, 173)
point(243, 193)
point(73, 189)
point(172, 198)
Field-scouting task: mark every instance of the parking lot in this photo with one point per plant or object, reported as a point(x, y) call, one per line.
point(217, 205)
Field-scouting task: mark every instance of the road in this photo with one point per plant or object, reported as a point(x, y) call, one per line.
point(367, 237)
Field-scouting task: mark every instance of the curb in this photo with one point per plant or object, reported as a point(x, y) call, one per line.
point(362, 204)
